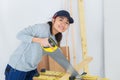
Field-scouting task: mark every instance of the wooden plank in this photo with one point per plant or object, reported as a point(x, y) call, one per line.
point(44, 63)
point(49, 75)
point(83, 63)
point(78, 67)
point(83, 32)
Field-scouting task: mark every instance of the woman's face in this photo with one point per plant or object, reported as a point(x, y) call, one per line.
point(60, 24)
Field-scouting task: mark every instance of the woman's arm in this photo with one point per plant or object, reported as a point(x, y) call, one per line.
point(26, 34)
point(42, 41)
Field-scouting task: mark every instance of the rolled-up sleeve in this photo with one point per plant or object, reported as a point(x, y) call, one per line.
point(26, 34)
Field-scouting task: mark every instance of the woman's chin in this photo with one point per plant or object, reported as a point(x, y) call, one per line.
point(61, 31)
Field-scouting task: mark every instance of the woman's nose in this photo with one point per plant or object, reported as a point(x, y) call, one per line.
point(63, 24)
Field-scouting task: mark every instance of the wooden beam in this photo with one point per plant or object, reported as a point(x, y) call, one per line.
point(83, 32)
point(78, 67)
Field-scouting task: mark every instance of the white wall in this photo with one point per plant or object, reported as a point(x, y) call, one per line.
point(16, 15)
point(94, 27)
point(112, 38)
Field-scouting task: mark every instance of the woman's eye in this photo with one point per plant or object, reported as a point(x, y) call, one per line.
point(67, 22)
point(61, 20)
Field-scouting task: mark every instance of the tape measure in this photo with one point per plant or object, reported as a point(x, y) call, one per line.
point(53, 44)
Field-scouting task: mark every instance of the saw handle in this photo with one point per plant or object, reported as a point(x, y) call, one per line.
point(53, 44)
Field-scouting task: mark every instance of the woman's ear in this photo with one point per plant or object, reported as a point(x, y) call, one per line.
point(53, 20)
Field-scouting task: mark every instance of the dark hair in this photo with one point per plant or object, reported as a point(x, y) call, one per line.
point(58, 36)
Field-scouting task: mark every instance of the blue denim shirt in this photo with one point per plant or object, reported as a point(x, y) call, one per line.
point(28, 54)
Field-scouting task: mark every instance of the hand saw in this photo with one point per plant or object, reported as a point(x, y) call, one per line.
point(58, 56)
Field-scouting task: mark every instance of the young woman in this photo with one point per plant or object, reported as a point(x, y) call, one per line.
point(23, 63)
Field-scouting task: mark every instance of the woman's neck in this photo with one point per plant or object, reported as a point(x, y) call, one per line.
point(54, 32)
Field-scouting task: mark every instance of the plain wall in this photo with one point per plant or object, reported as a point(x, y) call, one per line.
point(16, 15)
point(112, 38)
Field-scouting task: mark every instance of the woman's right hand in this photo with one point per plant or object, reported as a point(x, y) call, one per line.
point(42, 41)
